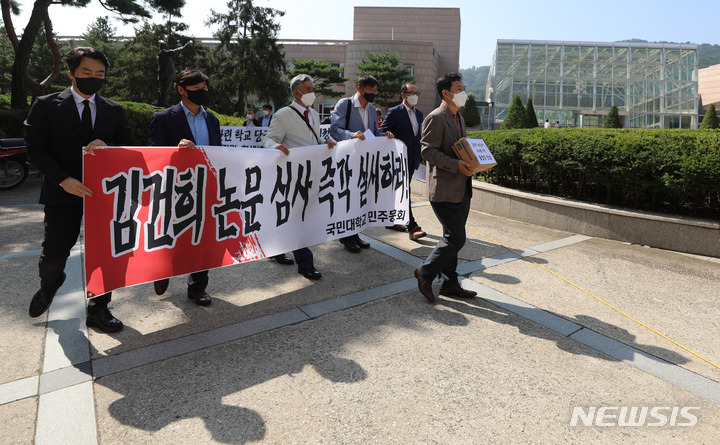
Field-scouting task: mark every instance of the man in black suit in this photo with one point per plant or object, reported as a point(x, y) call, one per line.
point(187, 124)
point(404, 122)
point(57, 128)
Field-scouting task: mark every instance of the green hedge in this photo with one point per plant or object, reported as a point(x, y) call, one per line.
point(672, 171)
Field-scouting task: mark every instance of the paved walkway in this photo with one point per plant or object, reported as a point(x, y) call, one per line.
point(360, 357)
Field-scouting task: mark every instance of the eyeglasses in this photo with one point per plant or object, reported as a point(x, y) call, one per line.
point(410, 93)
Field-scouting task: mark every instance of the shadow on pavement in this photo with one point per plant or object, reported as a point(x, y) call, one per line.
point(218, 384)
point(478, 307)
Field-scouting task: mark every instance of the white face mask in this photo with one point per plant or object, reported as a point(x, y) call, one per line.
point(250, 117)
point(459, 99)
point(308, 99)
point(412, 100)
point(266, 113)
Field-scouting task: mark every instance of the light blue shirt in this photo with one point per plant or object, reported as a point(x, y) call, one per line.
point(198, 126)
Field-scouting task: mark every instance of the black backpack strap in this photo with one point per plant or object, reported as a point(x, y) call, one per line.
point(306, 123)
point(347, 114)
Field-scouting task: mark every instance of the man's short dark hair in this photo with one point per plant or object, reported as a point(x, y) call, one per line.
point(188, 77)
point(446, 80)
point(366, 80)
point(76, 54)
point(267, 107)
point(405, 88)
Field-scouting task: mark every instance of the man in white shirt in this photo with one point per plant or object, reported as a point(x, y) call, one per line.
point(350, 119)
point(298, 125)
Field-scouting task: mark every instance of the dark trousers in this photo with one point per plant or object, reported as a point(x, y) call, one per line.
point(304, 258)
point(411, 222)
point(443, 259)
point(198, 281)
point(62, 227)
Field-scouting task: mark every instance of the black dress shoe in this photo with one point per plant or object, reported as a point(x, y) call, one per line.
point(200, 298)
point(104, 321)
point(41, 300)
point(350, 244)
point(457, 291)
point(425, 287)
point(161, 286)
point(283, 259)
point(362, 244)
point(310, 274)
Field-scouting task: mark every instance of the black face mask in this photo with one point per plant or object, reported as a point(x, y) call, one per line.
point(89, 85)
point(198, 97)
point(369, 96)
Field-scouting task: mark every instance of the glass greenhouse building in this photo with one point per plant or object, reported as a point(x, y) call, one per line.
point(654, 85)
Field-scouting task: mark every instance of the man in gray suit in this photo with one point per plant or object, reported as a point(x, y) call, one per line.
point(298, 125)
point(351, 117)
point(449, 188)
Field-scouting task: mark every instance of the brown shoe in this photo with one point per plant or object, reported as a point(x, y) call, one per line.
point(425, 287)
point(416, 233)
point(161, 286)
point(398, 227)
point(457, 292)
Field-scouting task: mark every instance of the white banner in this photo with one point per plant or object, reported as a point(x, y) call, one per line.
point(252, 137)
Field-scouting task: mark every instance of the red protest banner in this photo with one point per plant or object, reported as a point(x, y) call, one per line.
point(115, 255)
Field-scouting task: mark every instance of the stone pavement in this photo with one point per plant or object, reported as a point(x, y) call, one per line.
point(360, 357)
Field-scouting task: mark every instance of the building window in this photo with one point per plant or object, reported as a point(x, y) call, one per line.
point(341, 66)
point(410, 69)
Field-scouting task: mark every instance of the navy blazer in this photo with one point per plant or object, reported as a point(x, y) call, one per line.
point(398, 123)
point(170, 126)
point(54, 138)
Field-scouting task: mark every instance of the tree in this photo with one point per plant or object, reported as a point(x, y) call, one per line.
point(475, 79)
point(710, 121)
point(40, 18)
point(613, 118)
point(390, 73)
point(101, 35)
point(40, 59)
point(530, 116)
point(248, 61)
point(470, 112)
point(515, 116)
point(325, 75)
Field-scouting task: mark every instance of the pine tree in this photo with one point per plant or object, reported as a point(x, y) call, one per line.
point(390, 71)
point(470, 112)
point(129, 11)
point(613, 118)
point(324, 75)
point(248, 61)
point(516, 115)
point(710, 121)
point(530, 116)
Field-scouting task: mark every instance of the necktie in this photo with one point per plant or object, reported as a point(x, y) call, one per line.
point(413, 121)
point(87, 119)
point(305, 114)
point(457, 123)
